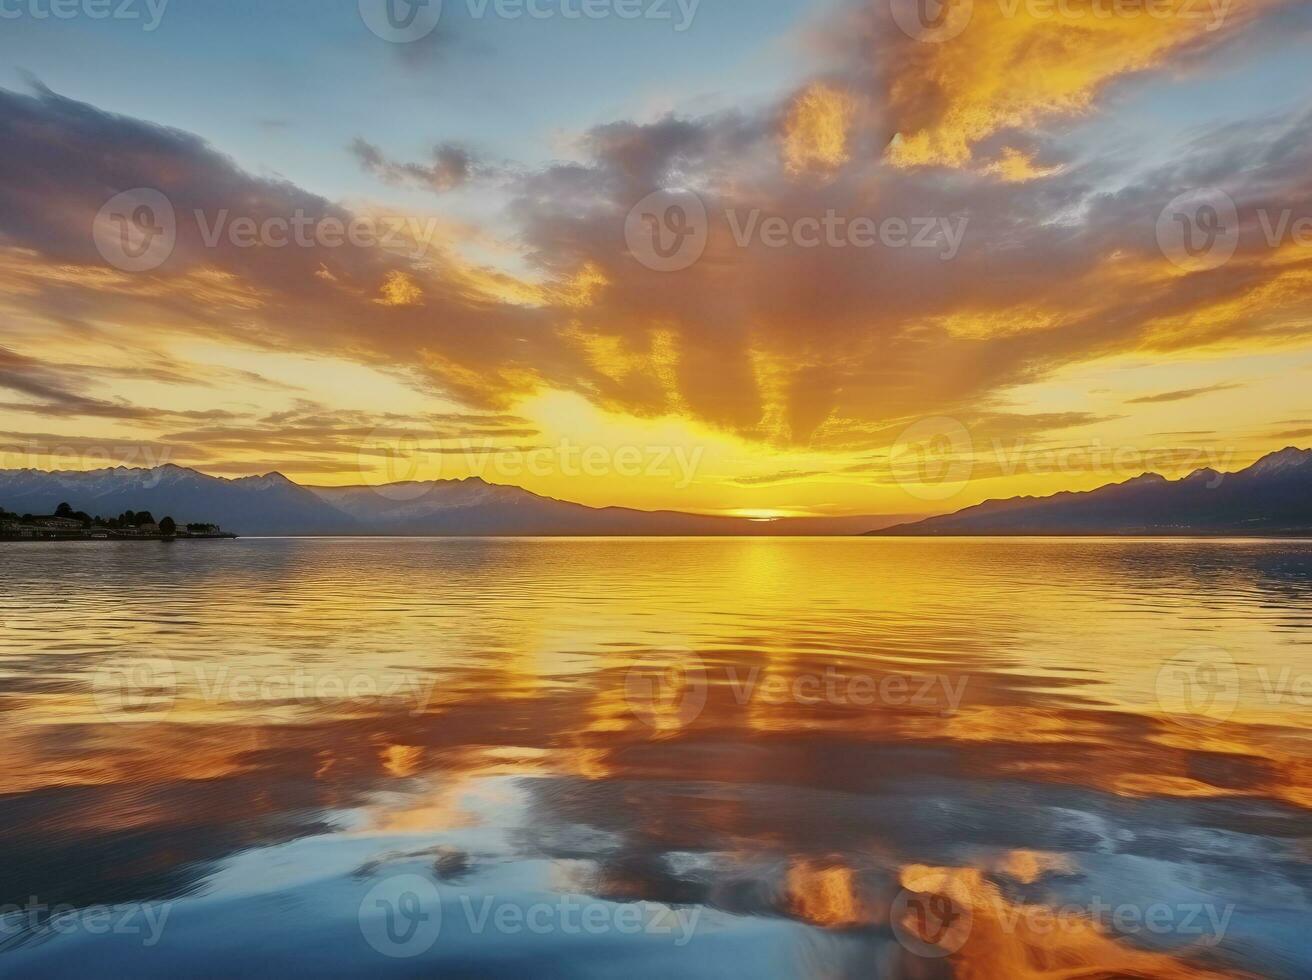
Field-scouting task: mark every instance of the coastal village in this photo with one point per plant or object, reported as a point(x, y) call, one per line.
point(66, 524)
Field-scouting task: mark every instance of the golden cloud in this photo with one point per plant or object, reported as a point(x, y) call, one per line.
point(1019, 63)
point(817, 128)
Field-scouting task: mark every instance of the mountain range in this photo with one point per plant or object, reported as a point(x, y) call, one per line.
point(1272, 497)
point(274, 505)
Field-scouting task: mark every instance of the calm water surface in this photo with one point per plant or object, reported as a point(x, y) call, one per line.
point(787, 758)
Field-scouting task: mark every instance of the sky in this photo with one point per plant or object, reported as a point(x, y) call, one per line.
point(770, 258)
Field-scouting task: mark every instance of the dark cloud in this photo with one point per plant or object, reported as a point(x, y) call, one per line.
point(440, 51)
point(314, 429)
point(28, 376)
point(66, 159)
point(54, 396)
point(450, 166)
point(309, 438)
point(783, 476)
point(1182, 395)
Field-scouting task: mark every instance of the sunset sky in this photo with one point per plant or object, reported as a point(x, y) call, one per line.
point(501, 321)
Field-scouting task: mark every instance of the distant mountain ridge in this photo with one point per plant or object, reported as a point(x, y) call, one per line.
point(1271, 497)
point(269, 504)
point(275, 506)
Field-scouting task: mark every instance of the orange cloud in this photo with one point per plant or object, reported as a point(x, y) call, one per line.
point(997, 65)
point(1017, 167)
point(817, 129)
point(400, 290)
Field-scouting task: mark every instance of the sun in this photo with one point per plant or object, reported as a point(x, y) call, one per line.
point(757, 514)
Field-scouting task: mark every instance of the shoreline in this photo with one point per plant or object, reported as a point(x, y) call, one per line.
point(1180, 537)
point(67, 538)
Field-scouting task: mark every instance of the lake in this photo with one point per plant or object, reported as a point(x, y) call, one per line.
point(575, 758)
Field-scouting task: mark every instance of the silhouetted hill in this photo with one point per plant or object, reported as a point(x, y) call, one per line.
point(274, 505)
point(269, 504)
point(1271, 497)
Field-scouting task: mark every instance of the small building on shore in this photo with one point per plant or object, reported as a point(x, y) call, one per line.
point(58, 523)
point(54, 528)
